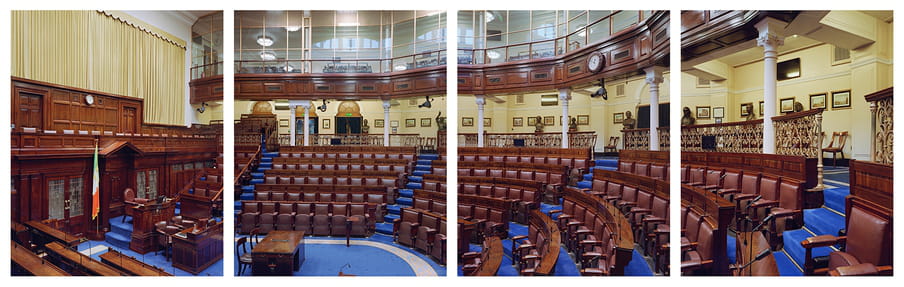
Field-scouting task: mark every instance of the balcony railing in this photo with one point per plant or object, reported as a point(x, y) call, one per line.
point(639, 139)
point(413, 140)
point(575, 139)
point(398, 64)
point(208, 70)
point(740, 137)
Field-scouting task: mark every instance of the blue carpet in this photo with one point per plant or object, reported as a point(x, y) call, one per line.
point(419, 173)
point(414, 179)
point(785, 266)
point(606, 162)
point(404, 192)
point(423, 167)
point(427, 156)
point(638, 266)
point(732, 248)
point(385, 228)
point(839, 174)
point(246, 196)
point(413, 185)
point(267, 159)
point(822, 221)
point(588, 176)
point(389, 218)
point(793, 249)
point(267, 165)
point(328, 259)
point(545, 208)
point(564, 265)
point(248, 188)
point(606, 168)
point(270, 154)
point(585, 184)
point(404, 201)
point(426, 162)
point(257, 175)
point(394, 209)
point(834, 198)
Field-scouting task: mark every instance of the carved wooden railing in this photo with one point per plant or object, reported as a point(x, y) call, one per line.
point(412, 140)
point(799, 134)
point(639, 139)
point(575, 139)
point(740, 137)
point(881, 105)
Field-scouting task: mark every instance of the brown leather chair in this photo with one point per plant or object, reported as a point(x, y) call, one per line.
point(338, 219)
point(697, 176)
point(303, 218)
point(321, 219)
point(700, 259)
point(866, 248)
point(713, 179)
point(438, 247)
point(528, 201)
point(364, 223)
point(406, 227)
point(836, 149)
point(250, 212)
point(658, 171)
point(425, 233)
point(267, 218)
point(286, 216)
point(731, 184)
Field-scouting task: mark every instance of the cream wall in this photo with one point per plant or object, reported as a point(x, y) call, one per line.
point(869, 70)
point(636, 93)
point(370, 110)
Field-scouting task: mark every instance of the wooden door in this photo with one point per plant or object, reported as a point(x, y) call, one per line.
point(30, 115)
point(129, 120)
point(67, 202)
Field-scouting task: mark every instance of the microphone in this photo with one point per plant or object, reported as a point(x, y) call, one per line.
point(758, 257)
point(723, 176)
point(755, 199)
point(770, 217)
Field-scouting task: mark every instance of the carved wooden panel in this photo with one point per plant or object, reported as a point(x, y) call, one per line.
point(424, 84)
point(274, 88)
point(250, 87)
point(495, 80)
point(516, 78)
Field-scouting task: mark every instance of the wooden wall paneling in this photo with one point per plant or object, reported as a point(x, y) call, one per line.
point(425, 84)
point(873, 182)
point(249, 87)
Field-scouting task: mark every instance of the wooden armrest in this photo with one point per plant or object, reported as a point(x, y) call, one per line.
point(784, 212)
point(728, 191)
point(518, 237)
point(591, 255)
point(765, 204)
point(821, 240)
point(469, 255)
point(653, 219)
point(640, 210)
point(745, 196)
point(627, 204)
point(525, 246)
point(855, 270)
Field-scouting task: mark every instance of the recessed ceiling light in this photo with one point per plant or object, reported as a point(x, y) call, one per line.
point(293, 28)
point(493, 54)
point(268, 56)
point(488, 17)
point(265, 41)
point(400, 67)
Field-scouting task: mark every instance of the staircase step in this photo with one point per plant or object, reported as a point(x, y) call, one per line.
point(822, 221)
point(413, 185)
point(247, 188)
point(267, 165)
point(420, 172)
point(118, 240)
point(605, 167)
point(423, 167)
point(785, 265)
point(428, 157)
point(404, 192)
point(415, 178)
point(389, 218)
point(585, 184)
point(834, 198)
point(394, 209)
point(588, 176)
point(257, 181)
point(262, 168)
point(606, 162)
point(796, 252)
point(404, 201)
point(257, 175)
point(237, 206)
point(270, 154)
point(266, 159)
point(424, 162)
point(246, 196)
point(384, 228)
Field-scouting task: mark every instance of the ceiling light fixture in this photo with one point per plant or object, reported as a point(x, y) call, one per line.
point(268, 56)
point(488, 17)
point(293, 28)
point(265, 41)
point(400, 67)
point(493, 54)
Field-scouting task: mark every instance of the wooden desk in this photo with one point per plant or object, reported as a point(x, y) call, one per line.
point(77, 263)
point(764, 267)
point(28, 262)
point(131, 265)
point(195, 251)
point(493, 245)
point(48, 234)
point(143, 220)
point(20, 233)
point(280, 253)
point(465, 229)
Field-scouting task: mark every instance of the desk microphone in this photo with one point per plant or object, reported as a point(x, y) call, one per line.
point(758, 257)
point(723, 176)
point(755, 199)
point(770, 217)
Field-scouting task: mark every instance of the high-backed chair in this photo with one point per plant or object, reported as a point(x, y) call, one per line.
point(250, 211)
point(612, 146)
point(701, 257)
point(267, 217)
point(286, 216)
point(303, 218)
point(438, 248)
point(363, 221)
point(406, 227)
point(836, 149)
point(426, 232)
point(321, 222)
point(866, 247)
point(338, 218)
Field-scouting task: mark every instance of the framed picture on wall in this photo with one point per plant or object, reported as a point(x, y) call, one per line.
point(283, 123)
point(746, 109)
point(762, 108)
point(410, 123)
point(718, 120)
point(326, 123)
point(467, 122)
point(531, 121)
point(518, 122)
point(719, 112)
point(583, 120)
point(704, 112)
point(618, 118)
point(487, 122)
point(787, 105)
point(425, 122)
point(549, 121)
point(841, 99)
point(394, 124)
point(378, 123)
point(818, 101)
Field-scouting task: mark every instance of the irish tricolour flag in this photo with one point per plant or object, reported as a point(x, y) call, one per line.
point(95, 191)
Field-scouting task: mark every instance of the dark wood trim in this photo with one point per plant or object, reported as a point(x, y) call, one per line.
point(412, 83)
point(880, 94)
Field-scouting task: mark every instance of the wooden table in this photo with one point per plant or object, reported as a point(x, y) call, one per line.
point(24, 260)
point(131, 265)
point(143, 220)
point(49, 234)
point(493, 245)
point(764, 267)
point(194, 251)
point(280, 253)
point(77, 263)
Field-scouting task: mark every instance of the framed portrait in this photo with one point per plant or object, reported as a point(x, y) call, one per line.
point(487, 122)
point(762, 108)
point(425, 122)
point(518, 122)
point(841, 99)
point(618, 118)
point(283, 122)
point(818, 101)
point(583, 120)
point(746, 109)
point(378, 123)
point(704, 112)
point(467, 122)
point(787, 105)
point(549, 121)
point(394, 124)
point(326, 123)
point(531, 121)
point(410, 123)
point(718, 112)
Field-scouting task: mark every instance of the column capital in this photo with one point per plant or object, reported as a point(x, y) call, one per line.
point(565, 94)
point(387, 104)
point(480, 100)
point(654, 74)
point(771, 33)
point(304, 103)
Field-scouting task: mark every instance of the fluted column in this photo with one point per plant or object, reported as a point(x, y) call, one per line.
point(564, 97)
point(292, 125)
point(386, 105)
point(654, 78)
point(481, 101)
point(770, 39)
point(306, 126)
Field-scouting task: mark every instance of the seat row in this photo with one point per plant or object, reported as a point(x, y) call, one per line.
point(540, 247)
point(315, 167)
point(316, 218)
point(552, 181)
point(349, 149)
point(657, 171)
point(320, 155)
point(423, 230)
point(438, 186)
point(483, 263)
point(524, 199)
point(489, 221)
point(431, 205)
point(333, 180)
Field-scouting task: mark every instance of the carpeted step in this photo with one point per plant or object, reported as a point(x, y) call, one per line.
point(388, 219)
point(257, 181)
point(785, 266)
point(796, 252)
point(426, 162)
point(266, 159)
point(606, 162)
point(404, 192)
point(585, 184)
point(834, 198)
point(262, 168)
point(267, 165)
point(118, 240)
point(384, 228)
point(423, 167)
point(587, 176)
point(427, 156)
point(257, 175)
point(237, 206)
point(414, 185)
point(246, 188)
point(731, 247)
point(404, 201)
point(637, 266)
point(270, 154)
point(612, 168)
point(120, 227)
point(822, 221)
point(415, 178)
point(545, 208)
point(420, 172)
point(394, 209)
point(246, 196)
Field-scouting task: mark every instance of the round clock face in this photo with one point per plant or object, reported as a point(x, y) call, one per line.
point(595, 62)
point(89, 99)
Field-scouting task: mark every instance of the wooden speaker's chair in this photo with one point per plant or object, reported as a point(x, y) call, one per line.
point(613, 143)
point(836, 149)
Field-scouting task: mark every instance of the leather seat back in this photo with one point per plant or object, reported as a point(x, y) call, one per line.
point(769, 188)
point(750, 183)
point(868, 237)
